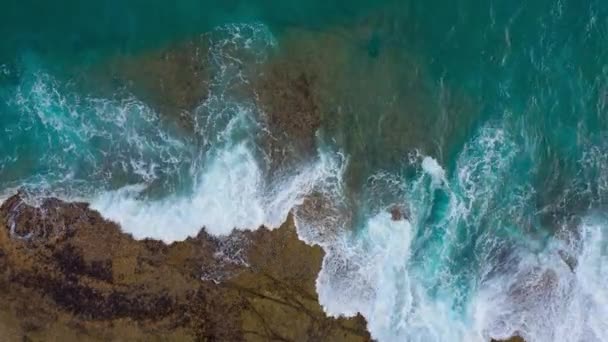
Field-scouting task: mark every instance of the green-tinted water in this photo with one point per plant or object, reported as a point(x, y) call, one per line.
point(484, 122)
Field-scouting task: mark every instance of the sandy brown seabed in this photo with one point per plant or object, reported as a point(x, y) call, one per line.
point(66, 274)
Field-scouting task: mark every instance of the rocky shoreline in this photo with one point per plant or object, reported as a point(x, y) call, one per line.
point(68, 274)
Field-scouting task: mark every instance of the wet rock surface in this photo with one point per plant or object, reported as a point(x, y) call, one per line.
point(68, 274)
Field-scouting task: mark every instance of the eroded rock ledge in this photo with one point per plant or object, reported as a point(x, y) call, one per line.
point(68, 274)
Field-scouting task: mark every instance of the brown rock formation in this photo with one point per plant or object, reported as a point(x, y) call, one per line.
point(67, 274)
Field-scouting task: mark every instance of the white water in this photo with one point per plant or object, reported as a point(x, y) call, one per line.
point(544, 300)
point(529, 292)
point(368, 273)
point(232, 194)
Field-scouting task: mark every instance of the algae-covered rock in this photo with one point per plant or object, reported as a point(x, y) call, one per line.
point(68, 274)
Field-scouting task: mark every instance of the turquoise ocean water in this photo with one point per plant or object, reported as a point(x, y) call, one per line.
point(484, 122)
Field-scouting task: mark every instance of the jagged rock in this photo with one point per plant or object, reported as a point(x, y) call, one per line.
point(399, 212)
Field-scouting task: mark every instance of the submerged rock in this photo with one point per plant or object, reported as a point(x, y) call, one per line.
point(285, 94)
point(173, 80)
point(512, 339)
point(399, 212)
point(68, 274)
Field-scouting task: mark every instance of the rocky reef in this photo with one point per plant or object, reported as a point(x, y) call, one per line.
point(67, 274)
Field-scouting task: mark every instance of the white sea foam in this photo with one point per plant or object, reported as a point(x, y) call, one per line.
point(232, 194)
point(82, 141)
point(546, 299)
point(534, 294)
point(368, 271)
point(432, 167)
point(369, 275)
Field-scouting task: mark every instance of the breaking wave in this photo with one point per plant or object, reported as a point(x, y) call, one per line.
point(464, 262)
point(157, 183)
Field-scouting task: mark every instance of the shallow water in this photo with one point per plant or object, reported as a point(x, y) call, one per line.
point(483, 123)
